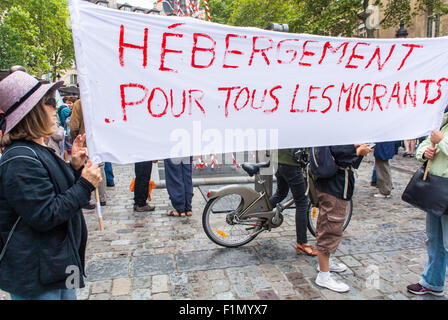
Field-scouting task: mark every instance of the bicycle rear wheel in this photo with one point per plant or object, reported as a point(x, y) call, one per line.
point(313, 214)
point(222, 226)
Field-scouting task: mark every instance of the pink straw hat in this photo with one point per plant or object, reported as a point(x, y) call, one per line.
point(19, 93)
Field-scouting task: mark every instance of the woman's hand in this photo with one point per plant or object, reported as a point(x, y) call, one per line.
point(430, 152)
point(436, 136)
point(91, 172)
point(363, 149)
point(79, 152)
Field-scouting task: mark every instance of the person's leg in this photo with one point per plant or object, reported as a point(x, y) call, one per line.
point(282, 188)
point(141, 186)
point(384, 180)
point(373, 181)
point(109, 174)
point(329, 229)
point(412, 144)
point(433, 276)
point(102, 185)
point(407, 149)
point(175, 184)
point(187, 167)
point(294, 178)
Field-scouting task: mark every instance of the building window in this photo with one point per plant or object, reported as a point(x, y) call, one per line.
point(73, 79)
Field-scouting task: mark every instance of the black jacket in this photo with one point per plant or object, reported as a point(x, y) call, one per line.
point(39, 187)
point(345, 157)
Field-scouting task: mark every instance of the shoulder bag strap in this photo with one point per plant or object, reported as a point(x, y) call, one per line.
point(9, 238)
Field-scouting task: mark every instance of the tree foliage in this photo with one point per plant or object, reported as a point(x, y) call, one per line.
point(324, 17)
point(34, 33)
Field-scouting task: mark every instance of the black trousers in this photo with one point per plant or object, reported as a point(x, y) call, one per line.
point(142, 177)
point(290, 177)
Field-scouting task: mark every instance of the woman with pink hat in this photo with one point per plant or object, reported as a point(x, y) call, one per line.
point(43, 233)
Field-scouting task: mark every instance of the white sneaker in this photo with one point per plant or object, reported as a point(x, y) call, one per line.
point(382, 196)
point(335, 267)
point(329, 283)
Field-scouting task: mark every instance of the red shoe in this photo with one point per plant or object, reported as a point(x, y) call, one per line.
point(307, 249)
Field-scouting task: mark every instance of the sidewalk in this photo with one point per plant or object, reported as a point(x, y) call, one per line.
point(152, 256)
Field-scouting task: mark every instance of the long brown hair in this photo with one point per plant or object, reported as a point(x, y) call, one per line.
point(35, 125)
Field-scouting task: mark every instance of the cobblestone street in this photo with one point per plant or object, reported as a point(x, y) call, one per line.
point(143, 256)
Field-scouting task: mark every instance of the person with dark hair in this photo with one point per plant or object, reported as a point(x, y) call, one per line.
point(43, 233)
point(65, 110)
point(333, 193)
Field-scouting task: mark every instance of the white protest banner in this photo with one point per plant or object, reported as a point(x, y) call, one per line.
point(155, 87)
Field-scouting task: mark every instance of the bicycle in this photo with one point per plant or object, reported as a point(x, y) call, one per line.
point(235, 215)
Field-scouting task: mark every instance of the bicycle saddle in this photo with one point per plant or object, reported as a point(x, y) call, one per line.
point(254, 168)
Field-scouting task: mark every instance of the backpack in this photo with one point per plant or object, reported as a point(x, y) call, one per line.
point(60, 113)
point(322, 163)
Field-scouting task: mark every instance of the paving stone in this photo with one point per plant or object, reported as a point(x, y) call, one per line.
point(159, 283)
point(178, 278)
point(308, 292)
point(259, 283)
point(216, 259)
point(225, 296)
point(161, 296)
point(271, 251)
point(274, 275)
point(397, 296)
point(180, 292)
point(296, 279)
point(151, 265)
point(216, 274)
point(121, 298)
point(141, 294)
point(104, 286)
point(100, 296)
point(283, 288)
point(243, 291)
point(121, 287)
point(107, 269)
point(81, 294)
point(268, 295)
point(350, 261)
point(141, 282)
point(221, 285)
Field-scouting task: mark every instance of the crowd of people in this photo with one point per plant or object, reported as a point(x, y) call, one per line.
point(46, 179)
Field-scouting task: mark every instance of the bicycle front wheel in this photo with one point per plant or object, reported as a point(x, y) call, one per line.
point(222, 226)
point(313, 214)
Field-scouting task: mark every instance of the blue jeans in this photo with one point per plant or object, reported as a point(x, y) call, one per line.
point(109, 173)
point(433, 276)
point(179, 182)
point(57, 294)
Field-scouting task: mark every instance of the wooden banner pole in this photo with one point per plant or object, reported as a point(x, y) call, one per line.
point(98, 210)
